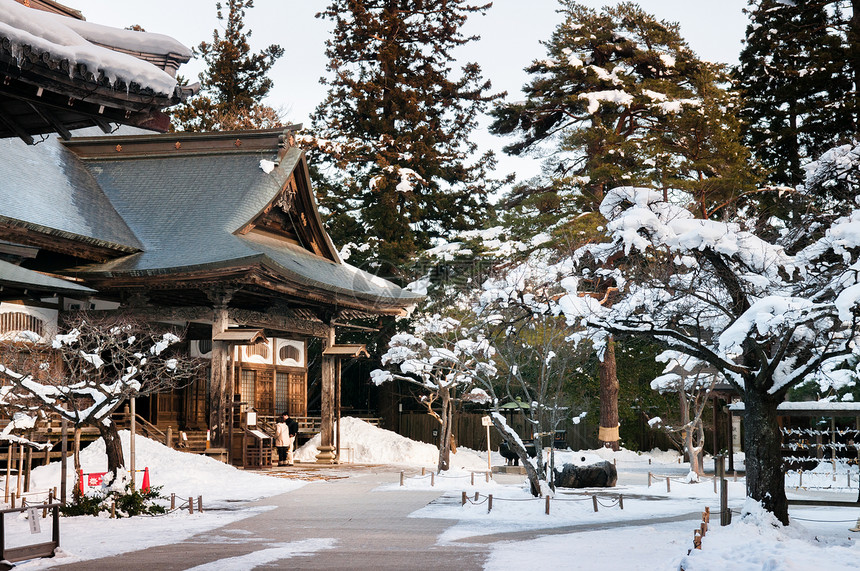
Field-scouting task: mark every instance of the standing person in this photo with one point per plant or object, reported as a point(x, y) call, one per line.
point(282, 439)
point(292, 430)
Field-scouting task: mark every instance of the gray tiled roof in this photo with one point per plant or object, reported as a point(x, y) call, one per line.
point(46, 186)
point(185, 210)
point(16, 276)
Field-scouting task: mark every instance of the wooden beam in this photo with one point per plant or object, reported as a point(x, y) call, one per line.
point(274, 320)
point(13, 126)
point(51, 120)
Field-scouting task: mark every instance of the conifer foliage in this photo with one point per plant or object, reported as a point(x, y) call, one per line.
point(393, 132)
point(235, 80)
point(795, 78)
point(622, 99)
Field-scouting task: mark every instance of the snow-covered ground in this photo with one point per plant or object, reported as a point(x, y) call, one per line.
point(224, 490)
point(653, 531)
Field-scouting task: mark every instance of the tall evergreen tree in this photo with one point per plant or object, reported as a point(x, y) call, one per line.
point(795, 78)
point(621, 99)
point(394, 166)
point(235, 80)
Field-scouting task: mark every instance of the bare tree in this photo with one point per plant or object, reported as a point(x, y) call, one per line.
point(693, 381)
point(521, 318)
point(85, 374)
point(446, 365)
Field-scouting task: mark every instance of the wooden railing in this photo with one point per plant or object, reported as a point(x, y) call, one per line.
point(142, 426)
point(45, 549)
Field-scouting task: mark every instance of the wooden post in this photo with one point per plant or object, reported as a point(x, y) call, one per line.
point(621, 501)
point(191, 505)
point(432, 479)
point(113, 510)
point(327, 403)
point(477, 496)
point(9, 459)
point(668, 484)
point(133, 429)
point(725, 514)
point(20, 469)
point(489, 503)
point(64, 450)
point(172, 502)
point(220, 359)
point(473, 478)
point(547, 505)
point(13, 500)
point(337, 390)
point(422, 471)
point(401, 477)
point(649, 475)
point(594, 502)
point(29, 467)
point(168, 438)
point(463, 499)
point(200, 504)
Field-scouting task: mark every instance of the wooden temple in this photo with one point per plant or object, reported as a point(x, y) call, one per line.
point(218, 233)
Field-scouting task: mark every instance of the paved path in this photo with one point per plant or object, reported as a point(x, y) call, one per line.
point(369, 531)
point(342, 525)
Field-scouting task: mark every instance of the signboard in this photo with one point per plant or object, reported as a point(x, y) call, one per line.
point(95, 478)
point(33, 517)
point(486, 421)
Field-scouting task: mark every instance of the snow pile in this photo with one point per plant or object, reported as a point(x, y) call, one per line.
point(373, 445)
point(186, 475)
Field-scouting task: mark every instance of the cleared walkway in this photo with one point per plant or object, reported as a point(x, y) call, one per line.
point(366, 531)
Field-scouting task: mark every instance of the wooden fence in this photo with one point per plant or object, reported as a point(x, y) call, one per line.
point(470, 433)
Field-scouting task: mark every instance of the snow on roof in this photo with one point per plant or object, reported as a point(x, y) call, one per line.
point(76, 41)
point(808, 406)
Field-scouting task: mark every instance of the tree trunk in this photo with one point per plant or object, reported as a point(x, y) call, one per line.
point(76, 448)
point(113, 449)
point(762, 439)
point(445, 433)
point(514, 444)
point(607, 372)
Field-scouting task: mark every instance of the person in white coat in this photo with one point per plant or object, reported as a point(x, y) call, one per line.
point(283, 442)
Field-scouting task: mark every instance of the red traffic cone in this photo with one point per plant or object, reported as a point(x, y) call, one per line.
point(145, 486)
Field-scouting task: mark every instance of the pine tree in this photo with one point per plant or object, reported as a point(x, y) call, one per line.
point(392, 135)
point(796, 84)
point(621, 99)
point(235, 80)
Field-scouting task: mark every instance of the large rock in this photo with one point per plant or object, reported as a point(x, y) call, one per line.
point(599, 475)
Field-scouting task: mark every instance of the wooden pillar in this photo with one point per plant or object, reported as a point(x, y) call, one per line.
point(218, 381)
point(327, 404)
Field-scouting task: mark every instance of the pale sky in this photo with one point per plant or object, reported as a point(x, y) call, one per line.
point(510, 39)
